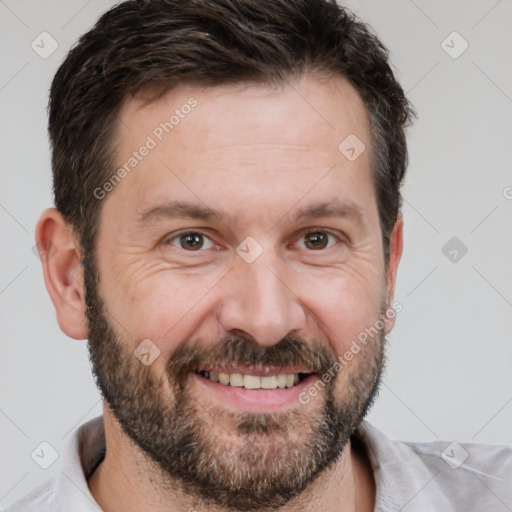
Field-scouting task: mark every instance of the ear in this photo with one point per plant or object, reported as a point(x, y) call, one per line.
point(60, 254)
point(395, 253)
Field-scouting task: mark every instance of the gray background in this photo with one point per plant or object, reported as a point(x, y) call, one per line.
point(449, 373)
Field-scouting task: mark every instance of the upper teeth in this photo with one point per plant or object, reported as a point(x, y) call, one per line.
point(283, 380)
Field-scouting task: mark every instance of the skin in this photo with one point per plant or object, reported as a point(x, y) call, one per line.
point(259, 154)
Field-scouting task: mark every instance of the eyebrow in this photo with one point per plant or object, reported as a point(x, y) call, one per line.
point(179, 210)
point(335, 208)
point(187, 210)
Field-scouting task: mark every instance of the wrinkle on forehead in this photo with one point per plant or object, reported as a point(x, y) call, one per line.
point(263, 145)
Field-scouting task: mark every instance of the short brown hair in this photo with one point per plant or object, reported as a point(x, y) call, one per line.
point(158, 44)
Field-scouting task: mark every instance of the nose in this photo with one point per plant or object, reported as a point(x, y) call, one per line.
point(259, 303)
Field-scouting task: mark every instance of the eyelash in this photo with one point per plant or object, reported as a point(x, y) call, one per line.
point(307, 232)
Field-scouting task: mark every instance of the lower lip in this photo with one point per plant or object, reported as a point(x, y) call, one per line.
point(255, 400)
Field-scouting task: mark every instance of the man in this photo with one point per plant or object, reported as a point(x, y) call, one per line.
point(227, 227)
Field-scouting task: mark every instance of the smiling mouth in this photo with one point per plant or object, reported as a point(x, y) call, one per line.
point(248, 381)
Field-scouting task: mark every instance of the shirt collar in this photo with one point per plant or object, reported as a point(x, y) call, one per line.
point(86, 449)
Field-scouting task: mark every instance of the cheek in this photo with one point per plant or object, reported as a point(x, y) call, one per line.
point(343, 307)
point(165, 306)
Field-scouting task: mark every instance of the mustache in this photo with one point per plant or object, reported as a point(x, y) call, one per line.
point(239, 351)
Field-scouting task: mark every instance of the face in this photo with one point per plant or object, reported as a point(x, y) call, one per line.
point(245, 249)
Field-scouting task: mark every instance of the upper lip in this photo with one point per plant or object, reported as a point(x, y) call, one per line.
point(258, 371)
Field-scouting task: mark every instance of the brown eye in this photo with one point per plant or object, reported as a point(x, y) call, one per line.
point(316, 240)
point(191, 241)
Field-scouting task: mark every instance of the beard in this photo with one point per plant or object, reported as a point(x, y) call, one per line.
point(231, 460)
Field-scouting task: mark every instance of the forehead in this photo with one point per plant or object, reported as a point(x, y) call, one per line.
point(330, 105)
point(246, 146)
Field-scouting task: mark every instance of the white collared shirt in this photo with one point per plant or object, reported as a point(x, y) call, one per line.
point(410, 477)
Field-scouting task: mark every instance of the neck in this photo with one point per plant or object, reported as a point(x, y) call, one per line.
point(126, 480)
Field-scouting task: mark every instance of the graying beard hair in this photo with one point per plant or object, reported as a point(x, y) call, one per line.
point(270, 472)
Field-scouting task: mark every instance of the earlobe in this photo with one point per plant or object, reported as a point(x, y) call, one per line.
point(60, 253)
point(395, 253)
